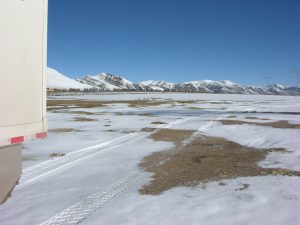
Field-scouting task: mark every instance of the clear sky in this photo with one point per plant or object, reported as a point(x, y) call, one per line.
point(176, 40)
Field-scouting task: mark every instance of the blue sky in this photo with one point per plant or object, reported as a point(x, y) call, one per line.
point(176, 40)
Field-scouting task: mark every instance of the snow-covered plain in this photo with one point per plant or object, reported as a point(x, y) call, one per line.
point(98, 179)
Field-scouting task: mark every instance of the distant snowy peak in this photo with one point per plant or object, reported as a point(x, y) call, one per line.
point(229, 83)
point(201, 85)
point(97, 81)
point(107, 82)
point(56, 80)
point(118, 81)
point(158, 84)
point(110, 82)
point(221, 87)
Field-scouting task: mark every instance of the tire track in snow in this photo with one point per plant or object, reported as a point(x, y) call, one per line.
point(70, 156)
point(77, 212)
point(59, 169)
point(51, 168)
point(209, 124)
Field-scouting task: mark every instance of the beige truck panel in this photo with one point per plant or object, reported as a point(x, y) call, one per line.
point(23, 34)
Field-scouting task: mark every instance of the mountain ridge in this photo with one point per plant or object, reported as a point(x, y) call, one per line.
point(110, 82)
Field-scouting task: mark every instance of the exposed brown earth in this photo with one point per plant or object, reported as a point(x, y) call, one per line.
point(77, 112)
point(57, 155)
point(231, 116)
point(148, 129)
point(255, 118)
point(287, 113)
point(196, 108)
point(158, 122)
point(203, 159)
point(223, 102)
point(83, 119)
point(63, 104)
point(170, 135)
point(60, 103)
point(283, 124)
point(63, 130)
point(135, 114)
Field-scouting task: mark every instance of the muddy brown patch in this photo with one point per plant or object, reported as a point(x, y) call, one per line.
point(201, 160)
point(268, 112)
point(54, 155)
point(77, 112)
point(283, 124)
point(63, 130)
point(63, 104)
point(148, 129)
point(53, 104)
point(135, 114)
point(223, 102)
point(158, 122)
point(83, 119)
point(255, 118)
point(231, 116)
point(170, 135)
point(196, 108)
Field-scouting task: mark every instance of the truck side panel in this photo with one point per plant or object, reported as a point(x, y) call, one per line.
point(23, 26)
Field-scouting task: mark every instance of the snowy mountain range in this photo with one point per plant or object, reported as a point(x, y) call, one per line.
point(56, 80)
point(109, 82)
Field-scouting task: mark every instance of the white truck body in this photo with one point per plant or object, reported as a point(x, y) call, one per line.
point(23, 44)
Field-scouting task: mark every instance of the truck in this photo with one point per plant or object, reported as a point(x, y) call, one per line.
point(23, 60)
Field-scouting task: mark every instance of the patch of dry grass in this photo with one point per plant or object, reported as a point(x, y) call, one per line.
point(255, 118)
point(158, 122)
point(203, 159)
point(148, 129)
point(231, 116)
point(54, 155)
point(221, 102)
point(63, 130)
point(196, 108)
point(83, 119)
point(266, 112)
point(77, 103)
point(283, 124)
point(64, 104)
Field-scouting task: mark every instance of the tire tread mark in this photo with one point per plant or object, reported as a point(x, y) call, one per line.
point(80, 210)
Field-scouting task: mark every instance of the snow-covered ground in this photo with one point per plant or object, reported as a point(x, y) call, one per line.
point(98, 179)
